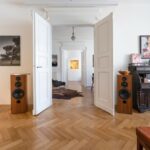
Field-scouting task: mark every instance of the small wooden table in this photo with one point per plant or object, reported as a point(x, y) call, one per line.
point(143, 138)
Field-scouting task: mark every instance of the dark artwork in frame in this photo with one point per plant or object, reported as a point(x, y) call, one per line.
point(54, 61)
point(93, 60)
point(9, 50)
point(145, 46)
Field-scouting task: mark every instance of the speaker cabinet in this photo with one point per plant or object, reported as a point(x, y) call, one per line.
point(124, 93)
point(19, 94)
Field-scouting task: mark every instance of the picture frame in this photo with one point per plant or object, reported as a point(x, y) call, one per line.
point(10, 50)
point(54, 60)
point(93, 60)
point(74, 64)
point(145, 46)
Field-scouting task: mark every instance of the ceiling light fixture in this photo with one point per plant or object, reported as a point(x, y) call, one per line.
point(73, 35)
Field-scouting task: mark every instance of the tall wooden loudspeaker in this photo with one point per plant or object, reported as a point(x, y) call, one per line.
point(124, 93)
point(19, 94)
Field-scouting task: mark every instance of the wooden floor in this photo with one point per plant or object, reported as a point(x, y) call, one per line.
point(70, 125)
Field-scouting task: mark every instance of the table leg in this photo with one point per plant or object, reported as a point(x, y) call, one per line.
point(139, 146)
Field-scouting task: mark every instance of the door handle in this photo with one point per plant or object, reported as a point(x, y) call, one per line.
point(39, 67)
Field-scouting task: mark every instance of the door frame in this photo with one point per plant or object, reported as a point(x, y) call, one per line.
point(64, 72)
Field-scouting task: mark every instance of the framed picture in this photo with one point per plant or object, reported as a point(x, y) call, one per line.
point(74, 64)
point(9, 50)
point(54, 61)
point(93, 60)
point(145, 46)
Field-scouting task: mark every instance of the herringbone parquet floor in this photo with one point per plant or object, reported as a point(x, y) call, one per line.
point(70, 125)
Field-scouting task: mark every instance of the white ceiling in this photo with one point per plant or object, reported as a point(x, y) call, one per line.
point(71, 3)
point(80, 16)
point(70, 12)
point(67, 16)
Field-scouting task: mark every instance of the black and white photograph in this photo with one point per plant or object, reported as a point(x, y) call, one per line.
point(9, 50)
point(54, 61)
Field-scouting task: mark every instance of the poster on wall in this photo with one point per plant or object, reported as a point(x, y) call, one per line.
point(145, 46)
point(74, 64)
point(9, 50)
point(54, 61)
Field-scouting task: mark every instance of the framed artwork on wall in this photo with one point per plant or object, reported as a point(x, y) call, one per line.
point(145, 46)
point(74, 64)
point(9, 50)
point(54, 61)
point(93, 60)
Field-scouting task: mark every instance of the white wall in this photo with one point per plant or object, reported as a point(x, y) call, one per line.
point(63, 73)
point(74, 74)
point(16, 20)
point(84, 41)
point(130, 20)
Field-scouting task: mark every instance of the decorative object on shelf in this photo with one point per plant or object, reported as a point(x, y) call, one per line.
point(74, 64)
point(9, 50)
point(126, 72)
point(145, 46)
point(73, 35)
point(54, 61)
point(135, 58)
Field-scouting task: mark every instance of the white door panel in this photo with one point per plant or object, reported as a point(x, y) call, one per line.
point(103, 68)
point(42, 67)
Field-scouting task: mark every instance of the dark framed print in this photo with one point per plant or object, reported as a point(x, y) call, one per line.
point(145, 46)
point(54, 61)
point(93, 60)
point(9, 50)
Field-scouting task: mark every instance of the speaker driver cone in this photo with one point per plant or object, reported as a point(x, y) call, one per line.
point(124, 94)
point(18, 84)
point(124, 84)
point(18, 94)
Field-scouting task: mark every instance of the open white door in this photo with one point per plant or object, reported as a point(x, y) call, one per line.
point(103, 68)
point(42, 74)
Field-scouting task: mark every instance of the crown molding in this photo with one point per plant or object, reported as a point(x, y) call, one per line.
point(70, 3)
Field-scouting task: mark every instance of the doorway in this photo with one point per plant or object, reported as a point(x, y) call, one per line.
point(103, 63)
point(72, 66)
point(64, 47)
